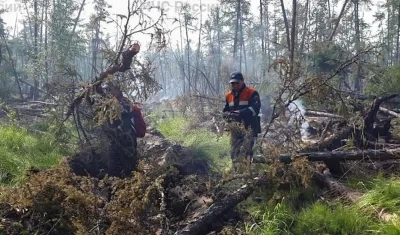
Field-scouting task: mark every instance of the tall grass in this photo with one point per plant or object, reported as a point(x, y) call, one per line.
point(384, 193)
point(20, 151)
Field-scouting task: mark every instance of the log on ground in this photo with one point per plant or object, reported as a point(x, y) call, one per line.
point(336, 187)
point(202, 224)
point(333, 142)
point(374, 155)
point(322, 114)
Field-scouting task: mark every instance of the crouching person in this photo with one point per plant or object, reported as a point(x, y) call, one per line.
point(123, 133)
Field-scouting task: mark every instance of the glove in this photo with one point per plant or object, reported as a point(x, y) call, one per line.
point(235, 113)
point(226, 114)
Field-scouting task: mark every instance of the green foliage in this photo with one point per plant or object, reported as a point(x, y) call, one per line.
point(386, 81)
point(327, 57)
point(20, 151)
point(201, 142)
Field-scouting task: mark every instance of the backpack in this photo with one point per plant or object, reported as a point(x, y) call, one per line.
point(140, 124)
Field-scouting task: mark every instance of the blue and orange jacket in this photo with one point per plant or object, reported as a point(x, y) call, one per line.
point(247, 101)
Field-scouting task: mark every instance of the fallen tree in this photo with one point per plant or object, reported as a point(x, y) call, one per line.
point(202, 224)
point(322, 114)
point(373, 155)
point(390, 112)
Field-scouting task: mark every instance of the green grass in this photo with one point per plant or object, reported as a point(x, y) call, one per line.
point(317, 218)
point(270, 220)
point(385, 193)
point(331, 216)
point(339, 219)
point(203, 143)
point(20, 151)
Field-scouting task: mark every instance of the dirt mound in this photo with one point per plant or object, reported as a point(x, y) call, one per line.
point(169, 189)
point(153, 148)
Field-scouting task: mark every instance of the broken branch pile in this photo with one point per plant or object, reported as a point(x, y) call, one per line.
point(169, 187)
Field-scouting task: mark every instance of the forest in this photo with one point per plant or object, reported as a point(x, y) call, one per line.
point(326, 160)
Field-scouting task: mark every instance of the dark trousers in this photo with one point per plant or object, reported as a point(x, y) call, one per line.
point(242, 143)
point(123, 149)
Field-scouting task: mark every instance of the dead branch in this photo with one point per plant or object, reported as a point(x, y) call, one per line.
point(338, 20)
point(373, 155)
point(127, 57)
point(337, 188)
point(321, 114)
point(305, 89)
point(390, 112)
point(369, 118)
point(332, 142)
point(41, 102)
point(202, 224)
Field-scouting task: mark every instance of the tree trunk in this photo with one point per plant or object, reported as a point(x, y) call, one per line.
point(305, 29)
point(262, 35)
point(181, 55)
point(398, 34)
point(218, 82)
point(293, 39)
point(36, 51)
point(235, 42)
point(338, 19)
point(46, 63)
point(243, 48)
point(285, 20)
point(196, 77)
point(188, 53)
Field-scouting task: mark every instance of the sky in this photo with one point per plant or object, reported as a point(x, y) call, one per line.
point(172, 7)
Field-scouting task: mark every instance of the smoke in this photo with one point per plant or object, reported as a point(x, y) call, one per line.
point(298, 108)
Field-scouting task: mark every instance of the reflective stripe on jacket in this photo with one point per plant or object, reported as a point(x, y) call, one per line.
point(247, 101)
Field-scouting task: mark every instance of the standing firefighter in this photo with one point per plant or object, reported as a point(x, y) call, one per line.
point(123, 133)
point(242, 106)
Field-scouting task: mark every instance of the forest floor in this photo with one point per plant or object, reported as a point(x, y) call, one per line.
point(184, 173)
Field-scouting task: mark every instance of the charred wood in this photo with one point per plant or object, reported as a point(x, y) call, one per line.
point(337, 188)
point(374, 155)
point(202, 224)
point(370, 117)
